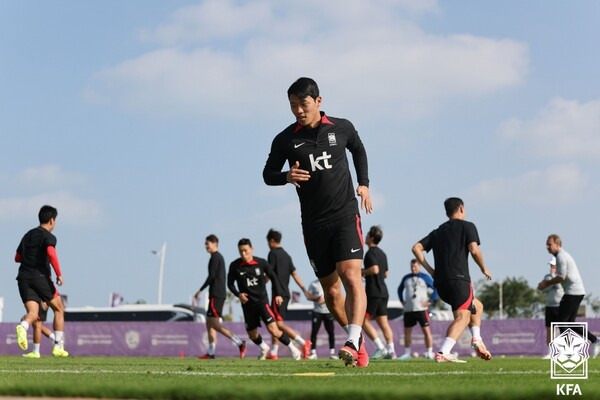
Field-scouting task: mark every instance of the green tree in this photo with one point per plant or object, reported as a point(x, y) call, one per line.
point(519, 300)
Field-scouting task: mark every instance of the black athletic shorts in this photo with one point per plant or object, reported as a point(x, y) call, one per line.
point(280, 311)
point(253, 313)
point(551, 315)
point(215, 307)
point(37, 289)
point(338, 241)
point(376, 307)
point(458, 293)
point(412, 317)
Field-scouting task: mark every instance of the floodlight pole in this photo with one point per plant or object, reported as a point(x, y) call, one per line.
point(500, 300)
point(162, 253)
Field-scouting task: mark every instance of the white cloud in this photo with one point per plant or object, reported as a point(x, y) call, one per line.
point(48, 184)
point(563, 128)
point(220, 58)
point(560, 184)
point(71, 209)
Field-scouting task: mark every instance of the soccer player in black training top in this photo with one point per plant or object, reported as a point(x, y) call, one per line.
point(216, 299)
point(283, 267)
point(375, 273)
point(452, 242)
point(36, 251)
point(248, 272)
point(315, 149)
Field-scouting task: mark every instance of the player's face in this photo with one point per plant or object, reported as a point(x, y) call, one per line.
point(414, 268)
point(210, 247)
point(246, 252)
point(306, 110)
point(552, 246)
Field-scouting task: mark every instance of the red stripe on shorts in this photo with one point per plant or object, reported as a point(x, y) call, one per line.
point(467, 304)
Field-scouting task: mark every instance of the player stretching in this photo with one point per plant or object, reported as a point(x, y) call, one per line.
point(315, 149)
point(375, 273)
point(36, 252)
point(248, 272)
point(451, 243)
point(283, 267)
point(216, 299)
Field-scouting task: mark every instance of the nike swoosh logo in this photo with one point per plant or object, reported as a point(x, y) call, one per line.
point(354, 250)
point(298, 145)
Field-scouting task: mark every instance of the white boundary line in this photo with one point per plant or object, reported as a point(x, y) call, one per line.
point(273, 374)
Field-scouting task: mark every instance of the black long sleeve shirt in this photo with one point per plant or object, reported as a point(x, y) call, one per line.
point(329, 193)
point(250, 279)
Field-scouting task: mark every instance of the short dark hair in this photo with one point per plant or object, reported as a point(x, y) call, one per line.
point(304, 87)
point(376, 234)
point(244, 241)
point(413, 261)
point(212, 238)
point(274, 235)
point(46, 214)
point(452, 204)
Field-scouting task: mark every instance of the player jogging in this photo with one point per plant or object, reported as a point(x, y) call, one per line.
point(36, 252)
point(216, 298)
point(40, 329)
point(283, 267)
point(315, 149)
point(451, 243)
point(248, 273)
point(375, 273)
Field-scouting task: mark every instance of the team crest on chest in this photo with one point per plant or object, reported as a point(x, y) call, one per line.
point(332, 140)
point(257, 270)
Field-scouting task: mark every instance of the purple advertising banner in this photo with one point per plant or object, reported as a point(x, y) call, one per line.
point(189, 339)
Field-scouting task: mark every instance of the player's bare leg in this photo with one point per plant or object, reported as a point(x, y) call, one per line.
point(32, 308)
point(354, 351)
point(428, 342)
point(334, 298)
point(59, 327)
point(475, 326)
point(388, 335)
point(371, 332)
point(407, 344)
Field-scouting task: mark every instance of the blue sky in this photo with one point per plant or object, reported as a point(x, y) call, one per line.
point(150, 121)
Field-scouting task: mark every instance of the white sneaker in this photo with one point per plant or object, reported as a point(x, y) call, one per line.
point(333, 356)
point(430, 356)
point(379, 354)
point(390, 356)
point(263, 353)
point(404, 357)
point(296, 354)
point(447, 358)
point(313, 356)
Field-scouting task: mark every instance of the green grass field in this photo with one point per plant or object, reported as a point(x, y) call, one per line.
point(229, 379)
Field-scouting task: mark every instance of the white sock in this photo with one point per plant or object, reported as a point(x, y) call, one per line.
point(430, 351)
point(447, 345)
point(475, 331)
point(354, 334)
point(331, 351)
point(407, 351)
point(274, 349)
point(36, 348)
point(236, 340)
point(298, 339)
point(263, 346)
point(379, 344)
point(211, 348)
point(391, 348)
point(292, 348)
point(52, 337)
point(58, 337)
point(25, 325)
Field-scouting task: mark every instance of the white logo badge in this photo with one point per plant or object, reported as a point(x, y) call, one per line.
point(354, 250)
point(298, 145)
point(332, 140)
point(315, 163)
point(569, 351)
point(132, 339)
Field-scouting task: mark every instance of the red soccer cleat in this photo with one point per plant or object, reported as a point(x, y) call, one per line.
point(273, 357)
point(207, 357)
point(306, 349)
point(363, 356)
point(348, 354)
point(242, 349)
